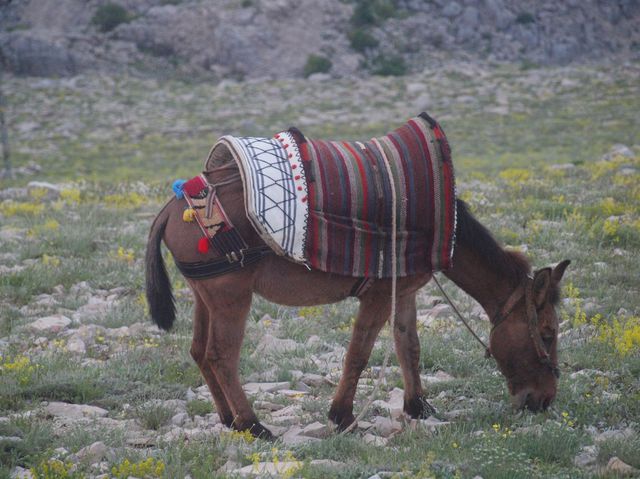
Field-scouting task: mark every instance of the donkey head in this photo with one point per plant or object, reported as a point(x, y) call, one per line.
point(524, 339)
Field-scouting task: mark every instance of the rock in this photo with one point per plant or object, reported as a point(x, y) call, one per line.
point(255, 388)
point(76, 345)
point(614, 434)
point(587, 456)
point(563, 167)
point(619, 150)
point(10, 439)
point(141, 439)
point(294, 437)
point(328, 464)
point(51, 191)
point(21, 473)
point(293, 393)
point(13, 194)
point(317, 430)
point(458, 413)
point(179, 419)
point(430, 423)
point(438, 377)
point(620, 468)
point(374, 440)
point(26, 53)
point(93, 453)
point(452, 9)
point(50, 324)
point(386, 427)
point(267, 406)
point(74, 411)
point(269, 469)
point(269, 344)
point(313, 380)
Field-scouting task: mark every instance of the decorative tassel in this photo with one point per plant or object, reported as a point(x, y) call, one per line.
point(188, 215)
point(203, 245)
point(177, 188)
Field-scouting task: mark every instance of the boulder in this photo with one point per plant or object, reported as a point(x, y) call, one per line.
point(50, 324)
point(74, 411)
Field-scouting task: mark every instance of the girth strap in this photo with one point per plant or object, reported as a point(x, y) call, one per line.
point(219, 266)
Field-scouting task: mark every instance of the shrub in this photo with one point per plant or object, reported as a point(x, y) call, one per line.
point(361, 40)
point(199, 407)
point(389, 66)
point(372, 12)
point(524, 18)
point(316, 64)
point(109, 16)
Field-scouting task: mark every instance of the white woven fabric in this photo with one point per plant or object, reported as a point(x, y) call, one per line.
point(275, 190)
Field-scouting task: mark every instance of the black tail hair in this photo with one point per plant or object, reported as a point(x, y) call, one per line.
point(158, 287)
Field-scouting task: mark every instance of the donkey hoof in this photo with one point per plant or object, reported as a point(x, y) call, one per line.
point(418, 408)
point(226, 420)
point(342, 421)
point(259, 431)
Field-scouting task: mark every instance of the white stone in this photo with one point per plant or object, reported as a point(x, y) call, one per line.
point(375, 440)
point(52, 192)
point(620, 468)
point(438, 377)
point(21, 473)
point(269, 344)
point(316, 429)
point(50, 324)
point(179, 419)
point(269, 469)
point(93, 453)
point(74, 411)
point(76, 345)
point(386, 427)
point(255, 388)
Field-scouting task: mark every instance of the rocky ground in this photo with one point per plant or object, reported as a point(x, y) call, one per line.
point(548, 159)
point(278, 39)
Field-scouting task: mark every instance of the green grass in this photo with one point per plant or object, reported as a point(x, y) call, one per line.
point(121, 151)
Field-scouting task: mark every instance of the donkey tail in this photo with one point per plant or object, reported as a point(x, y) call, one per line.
point(159, 296)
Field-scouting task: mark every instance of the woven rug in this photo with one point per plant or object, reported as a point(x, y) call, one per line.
point(328, 204)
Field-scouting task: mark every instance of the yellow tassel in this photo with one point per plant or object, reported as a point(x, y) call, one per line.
point(188, 215)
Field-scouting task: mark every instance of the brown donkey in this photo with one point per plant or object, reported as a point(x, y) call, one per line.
point(520, 303)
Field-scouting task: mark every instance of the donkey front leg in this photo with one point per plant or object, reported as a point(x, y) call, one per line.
point(373, 313)
point(408, 352)
point(229, 302)
point(198, 350)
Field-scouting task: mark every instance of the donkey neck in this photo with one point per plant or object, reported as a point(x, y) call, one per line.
point(481, 279)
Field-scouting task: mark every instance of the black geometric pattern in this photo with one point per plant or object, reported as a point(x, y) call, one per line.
point(274, 195)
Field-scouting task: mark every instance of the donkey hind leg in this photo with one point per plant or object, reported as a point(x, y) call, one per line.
point(373, 313)
point(228, 310)
point(408, 352)
point(198, 350)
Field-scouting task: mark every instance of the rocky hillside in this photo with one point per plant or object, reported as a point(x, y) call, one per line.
point(290, 38)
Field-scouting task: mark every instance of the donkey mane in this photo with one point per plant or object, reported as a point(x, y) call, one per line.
point(471, 233)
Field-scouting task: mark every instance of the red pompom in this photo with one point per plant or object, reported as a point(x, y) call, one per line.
point(203, 245)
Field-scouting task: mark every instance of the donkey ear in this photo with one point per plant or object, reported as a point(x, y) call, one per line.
point(541, 284)
point(559, 270)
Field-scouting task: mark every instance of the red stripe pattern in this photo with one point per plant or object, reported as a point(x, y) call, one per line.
point(350, 202)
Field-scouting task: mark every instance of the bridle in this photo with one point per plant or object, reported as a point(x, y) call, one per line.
point(523, 291)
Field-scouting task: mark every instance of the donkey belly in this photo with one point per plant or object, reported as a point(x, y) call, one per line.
point(283, 282)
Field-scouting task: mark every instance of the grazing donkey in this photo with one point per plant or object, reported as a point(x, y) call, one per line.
point(520, 303)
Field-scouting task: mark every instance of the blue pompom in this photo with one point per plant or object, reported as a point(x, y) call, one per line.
point(177, 188)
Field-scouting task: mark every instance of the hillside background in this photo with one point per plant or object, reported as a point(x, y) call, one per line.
point(277, 38)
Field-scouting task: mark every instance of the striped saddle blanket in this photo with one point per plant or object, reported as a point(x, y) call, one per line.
point(328, 204)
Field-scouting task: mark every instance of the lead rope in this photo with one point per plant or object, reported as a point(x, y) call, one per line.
point(394, 281)
point(487, 351)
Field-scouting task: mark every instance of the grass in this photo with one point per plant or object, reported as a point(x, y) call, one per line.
point(116, 156)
